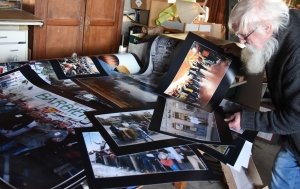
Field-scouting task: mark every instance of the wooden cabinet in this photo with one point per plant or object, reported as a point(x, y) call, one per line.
point(13, 45)
point(87, 27)
point(103, 25)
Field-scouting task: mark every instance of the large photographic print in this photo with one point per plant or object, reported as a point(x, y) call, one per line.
point(200, 75)
point(188, 122)
point(127, 131)
point(106, 170)
point(126, 63)
point(37, 133)
point(118, 91)
point(130, 128)
point(78, 66)
point(44, 70)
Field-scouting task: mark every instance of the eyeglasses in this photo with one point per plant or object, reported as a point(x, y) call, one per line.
point(244, 39)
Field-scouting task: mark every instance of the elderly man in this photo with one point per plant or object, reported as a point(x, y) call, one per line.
point(271, 33)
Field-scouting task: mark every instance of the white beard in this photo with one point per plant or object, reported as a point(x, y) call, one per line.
point(255, 59)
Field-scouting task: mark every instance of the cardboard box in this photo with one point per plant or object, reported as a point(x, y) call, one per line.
point(157, 6)
point(239, 78)
point(141, 4)
point(203, 28)
point(144, 17)
point(251, 173)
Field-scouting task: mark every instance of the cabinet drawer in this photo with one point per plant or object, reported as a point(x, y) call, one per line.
point(12, 36)
point(9, 51)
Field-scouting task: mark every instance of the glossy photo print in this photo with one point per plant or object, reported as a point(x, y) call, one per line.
point(126, 63)
point(37, 133)
point(130, 128)
point(106, 170)
point(42, 67)
point(200, 74)
point(185, 121)
point(77, 67)
point(118, 91)
point(127, 131)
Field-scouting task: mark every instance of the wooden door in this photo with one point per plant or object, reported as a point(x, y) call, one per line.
point(103, 26)
point(62, 32)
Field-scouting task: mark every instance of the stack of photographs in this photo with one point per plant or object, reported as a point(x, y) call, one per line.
point(109, 120)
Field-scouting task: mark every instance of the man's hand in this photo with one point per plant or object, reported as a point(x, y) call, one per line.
point(233, 49)
point(234, 121)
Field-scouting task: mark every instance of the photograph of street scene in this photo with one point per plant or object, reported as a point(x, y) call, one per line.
point(129, 128)
point(188, 121)
point(199, 76)
point(37, 134)
point(105, 163)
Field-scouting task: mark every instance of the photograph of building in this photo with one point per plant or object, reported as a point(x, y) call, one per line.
point(189, 121)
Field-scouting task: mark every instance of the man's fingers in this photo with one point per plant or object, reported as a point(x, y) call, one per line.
point(229, 118)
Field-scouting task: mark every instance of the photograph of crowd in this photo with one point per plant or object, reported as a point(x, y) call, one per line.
point(186, 120)
point(199, 76)
point(130, 128)
point(37, 134)
point(106, 164)
point(78, 66)
point(45, 71)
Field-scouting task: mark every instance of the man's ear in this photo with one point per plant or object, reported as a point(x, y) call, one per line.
point(268, 28)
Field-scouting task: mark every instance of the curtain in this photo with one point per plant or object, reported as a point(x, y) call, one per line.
point(217, 11)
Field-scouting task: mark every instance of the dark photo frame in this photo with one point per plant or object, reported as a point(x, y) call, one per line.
point(104, 174)
point(131, 145)
point(200, 63)
point(178, 114)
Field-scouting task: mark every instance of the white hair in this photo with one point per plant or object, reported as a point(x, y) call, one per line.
point(249, 14)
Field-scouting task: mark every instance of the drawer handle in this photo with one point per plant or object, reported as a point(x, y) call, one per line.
point(2, 37)
point(16, 58)
point(13, 50)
